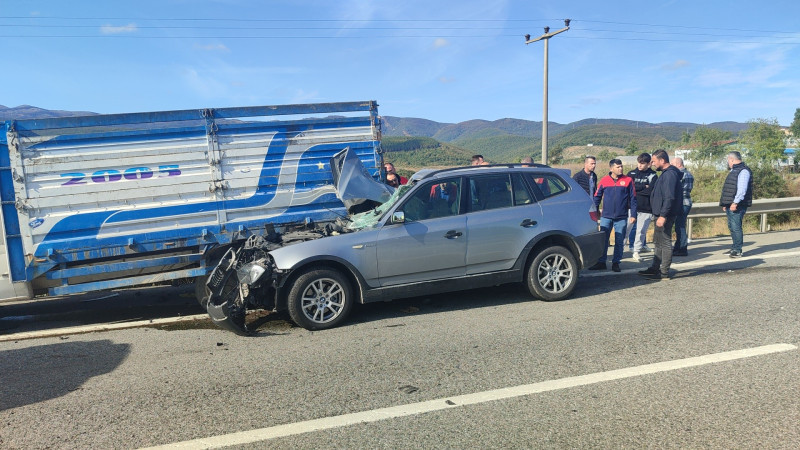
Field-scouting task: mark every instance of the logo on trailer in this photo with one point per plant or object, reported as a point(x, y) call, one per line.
point(109, 175)
point(36, 222)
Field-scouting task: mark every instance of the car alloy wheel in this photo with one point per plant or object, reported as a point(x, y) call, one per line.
point(552, 274)
point(320, 299)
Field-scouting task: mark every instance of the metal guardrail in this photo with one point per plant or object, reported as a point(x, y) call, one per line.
point(761, 206)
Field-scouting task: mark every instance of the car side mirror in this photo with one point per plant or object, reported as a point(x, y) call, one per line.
point(398, 217)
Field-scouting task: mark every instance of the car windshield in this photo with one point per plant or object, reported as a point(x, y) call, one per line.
point(372, 217)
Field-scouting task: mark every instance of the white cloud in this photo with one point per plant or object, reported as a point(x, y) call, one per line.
point(440, 42)
point(212, 47)
point(110, 29)
point(301, 96)
point(679, 64)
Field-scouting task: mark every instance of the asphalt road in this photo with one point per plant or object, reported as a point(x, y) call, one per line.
point(707, 359)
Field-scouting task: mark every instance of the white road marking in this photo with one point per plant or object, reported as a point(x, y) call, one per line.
point(98, 327)
point(325, 423)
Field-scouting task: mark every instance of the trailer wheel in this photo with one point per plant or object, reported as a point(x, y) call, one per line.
point(201, 292)
point(320, 299)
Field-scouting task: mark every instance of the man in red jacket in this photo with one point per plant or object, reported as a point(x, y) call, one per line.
point(618, 195)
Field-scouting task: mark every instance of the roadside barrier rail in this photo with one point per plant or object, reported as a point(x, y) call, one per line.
point(761, 206)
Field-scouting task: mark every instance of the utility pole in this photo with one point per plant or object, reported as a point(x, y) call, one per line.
point(546, 37)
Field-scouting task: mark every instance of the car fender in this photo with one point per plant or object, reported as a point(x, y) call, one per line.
point(284, 281)
point(553, 237)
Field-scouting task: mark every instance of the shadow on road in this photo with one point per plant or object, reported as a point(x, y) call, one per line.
point(35, 374)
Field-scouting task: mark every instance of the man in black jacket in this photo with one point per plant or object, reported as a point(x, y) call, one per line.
point(586, 177)
point(737, 196)
point(644, 179)
point(666, 200)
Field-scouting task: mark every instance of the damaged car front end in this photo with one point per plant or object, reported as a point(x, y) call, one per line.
point(247, 278)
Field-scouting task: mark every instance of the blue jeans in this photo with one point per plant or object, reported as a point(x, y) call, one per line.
point(681, 236)
point(632, 234)
point(735, 226)
point(619, 238)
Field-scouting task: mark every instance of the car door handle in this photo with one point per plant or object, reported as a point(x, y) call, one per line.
point(452, 234)
point(527, 223)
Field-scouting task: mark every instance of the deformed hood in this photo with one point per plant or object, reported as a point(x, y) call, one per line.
point(353, 183)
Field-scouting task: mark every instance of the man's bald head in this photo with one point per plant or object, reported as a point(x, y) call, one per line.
point(677, 162)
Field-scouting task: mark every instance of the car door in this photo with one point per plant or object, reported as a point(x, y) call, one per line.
point(503, 217)
point(431, 244)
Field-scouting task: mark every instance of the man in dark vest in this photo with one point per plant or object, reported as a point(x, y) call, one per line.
point(586, 178)
point(666, 199)
point(737, 196)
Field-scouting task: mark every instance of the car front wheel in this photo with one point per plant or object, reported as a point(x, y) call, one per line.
point(320, 299)
point(553, 274)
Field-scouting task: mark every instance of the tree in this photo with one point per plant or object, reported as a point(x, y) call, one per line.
point(763, 141)
point(632, 148)
point(795, 127)
point(709, 145)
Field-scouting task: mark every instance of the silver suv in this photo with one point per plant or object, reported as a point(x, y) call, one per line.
point(447, 230)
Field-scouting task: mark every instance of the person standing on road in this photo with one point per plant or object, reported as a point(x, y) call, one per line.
point(643, 180)
point(586, 178)
point(666, 200)
point(618, 195)
point(737, 196)
point(681, 247)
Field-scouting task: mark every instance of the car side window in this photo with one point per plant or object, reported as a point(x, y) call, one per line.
point(521, 194)
point(548, 184)
point(490, 192)
point(434, 200)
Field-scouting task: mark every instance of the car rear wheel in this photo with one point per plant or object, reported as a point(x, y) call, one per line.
point(320, 299)
point(553, 274)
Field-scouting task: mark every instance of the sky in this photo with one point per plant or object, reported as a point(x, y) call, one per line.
point(448, 61)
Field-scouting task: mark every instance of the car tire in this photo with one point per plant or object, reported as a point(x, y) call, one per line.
point(320, 299)
point(553, 274)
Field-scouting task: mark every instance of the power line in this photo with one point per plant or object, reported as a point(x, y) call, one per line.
point(286, 20)
point(387, 36)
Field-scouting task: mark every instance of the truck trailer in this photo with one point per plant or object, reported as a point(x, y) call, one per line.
point(100, 202)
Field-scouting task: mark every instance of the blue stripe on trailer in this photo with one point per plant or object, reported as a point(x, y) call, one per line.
point(14, 245)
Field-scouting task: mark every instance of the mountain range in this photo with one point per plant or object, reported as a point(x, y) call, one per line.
point(419, 142)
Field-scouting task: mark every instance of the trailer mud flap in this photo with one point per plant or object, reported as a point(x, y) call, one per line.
point(225, 303)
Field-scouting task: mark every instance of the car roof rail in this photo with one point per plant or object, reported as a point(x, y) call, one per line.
point(508, 165)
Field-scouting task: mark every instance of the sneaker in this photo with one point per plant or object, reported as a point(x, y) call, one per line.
point(727, 252)
point(654, 276)
point(735, 254)
point(645, 249)
point(615, 267)
point(649, 271)
point(680, 253)
point(637, 257)
point(598, 266)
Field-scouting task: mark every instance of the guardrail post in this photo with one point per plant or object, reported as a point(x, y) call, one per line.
point(764, 223)
point(689, 229)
